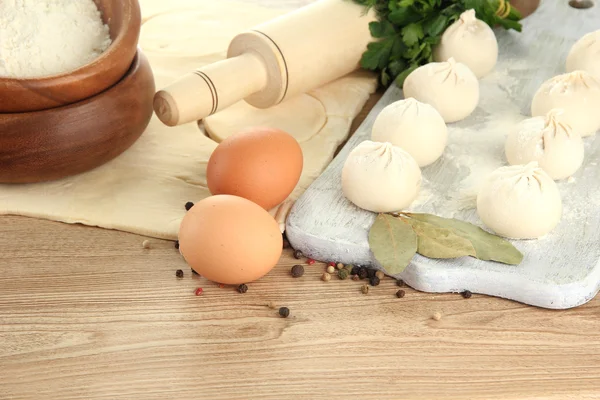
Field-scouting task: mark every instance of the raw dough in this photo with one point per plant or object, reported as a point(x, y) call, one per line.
point(380, 177)
point(578, 94)
point(585, 55)
point(145, 189)
point(415, 127)
point(548, 140)
point(471, 42)
point(520, 202)
point(450, 87)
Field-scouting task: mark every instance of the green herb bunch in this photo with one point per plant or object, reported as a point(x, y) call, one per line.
point(408, 30)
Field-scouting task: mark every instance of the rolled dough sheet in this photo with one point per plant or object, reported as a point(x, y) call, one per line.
point(144, 190)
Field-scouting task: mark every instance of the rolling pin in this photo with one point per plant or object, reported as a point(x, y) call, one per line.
point(288, 55)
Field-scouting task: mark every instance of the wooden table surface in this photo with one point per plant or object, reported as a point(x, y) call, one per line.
point(87, 313)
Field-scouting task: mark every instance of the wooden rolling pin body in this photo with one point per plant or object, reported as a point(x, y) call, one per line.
point(289, 55)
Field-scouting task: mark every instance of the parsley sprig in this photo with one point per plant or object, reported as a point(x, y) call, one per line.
point(408, 30)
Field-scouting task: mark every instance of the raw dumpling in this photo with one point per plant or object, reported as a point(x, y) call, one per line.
point(548, 140)
point(585, 55)
point(520, 202)
point(380, 177)
point(415, 127)
point(450, 87)
point(578, 94)
point(471, 42)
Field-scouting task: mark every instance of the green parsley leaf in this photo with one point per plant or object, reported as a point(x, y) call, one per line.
point(412, 33)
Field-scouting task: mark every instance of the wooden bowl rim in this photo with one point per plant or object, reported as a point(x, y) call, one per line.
point(130, 9)
point(136, 64)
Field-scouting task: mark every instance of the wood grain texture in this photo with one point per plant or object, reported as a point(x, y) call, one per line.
point(559, 271)
point(51, 144)
point(34, 94)
point(89, 314)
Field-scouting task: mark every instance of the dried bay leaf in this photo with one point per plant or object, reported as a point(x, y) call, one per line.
point(488, 247)
point(440, 243)
point(393, 243)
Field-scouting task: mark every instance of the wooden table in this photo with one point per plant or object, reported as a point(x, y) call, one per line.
point(90, 314)
point(87, 313)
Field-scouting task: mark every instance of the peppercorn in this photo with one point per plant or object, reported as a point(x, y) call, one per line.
point(188, 206)
point(437, 316)
point(339, 266)
point(331, 264)
point(467, 294)
point(400, 283)
point(271, 305)
point(179, 273)
point(374, 281)
point(284, 312)
point(199, 291)
point(297, 254)
point(297, 271)
point(355, 277)
point(330, 269)
point(380, 274)
point(146, 244)
point(177, 244)
point(371, 272)
point(363, 273)
point(400, 294)
point(326, 277)
point(243, 288)
point(221, 286)
point(310, 261)
point(354, 270)
point(343, 274)
point(364, 289)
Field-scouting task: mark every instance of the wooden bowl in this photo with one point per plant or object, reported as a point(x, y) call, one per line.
point(124, 20)
point(52, 144)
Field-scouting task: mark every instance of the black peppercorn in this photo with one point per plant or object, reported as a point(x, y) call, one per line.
point(243, 288)
point(284, 312)
point(188, 206)
point(177, 244)
point(374, 281)
point(400, 283)
point(297, 254)
point(179, 273)
point(467, 294)
point(371, 272)
point(354, 270)
point(400, 294)
point(363, 273)
point(297, 271)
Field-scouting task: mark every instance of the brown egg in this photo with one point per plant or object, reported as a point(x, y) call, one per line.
point(230, 240)
point(261, 164)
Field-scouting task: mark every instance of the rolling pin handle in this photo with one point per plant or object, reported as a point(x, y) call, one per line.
point(210, 89)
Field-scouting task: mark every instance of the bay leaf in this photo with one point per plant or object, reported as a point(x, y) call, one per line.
point(440, 243)
point(488, 247)
point(393, 243)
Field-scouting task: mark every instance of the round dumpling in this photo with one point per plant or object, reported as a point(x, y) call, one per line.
point(471, 42)
point(450, 87)
point(380, 177)
point(585, 55)
point(556, 147)
point(578, 94)
point(520, 202)
point(413, 126)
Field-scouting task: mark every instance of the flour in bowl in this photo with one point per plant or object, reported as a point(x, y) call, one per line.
point(41, 38)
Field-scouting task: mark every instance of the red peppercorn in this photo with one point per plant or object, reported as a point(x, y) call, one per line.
point(310, 261)
point(199, 291)
point(331, 264)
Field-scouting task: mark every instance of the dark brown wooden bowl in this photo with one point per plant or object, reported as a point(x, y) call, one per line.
point(124, 21)
point(53, 144)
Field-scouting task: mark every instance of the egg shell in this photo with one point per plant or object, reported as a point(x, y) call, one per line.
point(260, 164)
point(231, 240)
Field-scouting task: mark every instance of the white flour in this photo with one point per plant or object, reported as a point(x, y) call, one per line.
point(48, 37)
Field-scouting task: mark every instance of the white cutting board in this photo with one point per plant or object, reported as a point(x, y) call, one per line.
point(559, 271)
